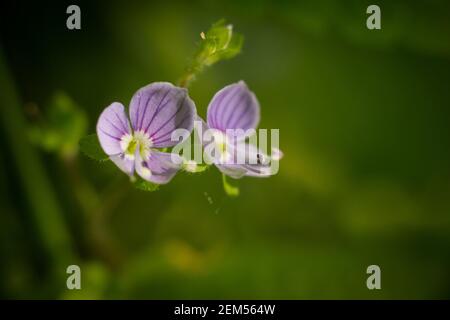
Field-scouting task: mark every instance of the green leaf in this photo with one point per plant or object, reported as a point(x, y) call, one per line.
point(221, 43)
point(230, 190)
point(234, 47)
point(144, 185)
point(61, 127)
point(90, 146)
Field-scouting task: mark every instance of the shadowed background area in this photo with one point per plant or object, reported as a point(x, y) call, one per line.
point(364, 126)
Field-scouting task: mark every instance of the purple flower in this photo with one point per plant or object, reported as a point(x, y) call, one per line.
point(232, 113)
point(156, 110)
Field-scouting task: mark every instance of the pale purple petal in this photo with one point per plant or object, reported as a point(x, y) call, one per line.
point(124, 164)
point(161, 166)
point(257, 162)
point(160, 108)
point(112, 125)
point(246, 160)
point(233, 107)
point(257, 171)
point(232, 170)
point(201, 124)
point(238, 171)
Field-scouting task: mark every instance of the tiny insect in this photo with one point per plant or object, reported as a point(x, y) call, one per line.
point(259, 158)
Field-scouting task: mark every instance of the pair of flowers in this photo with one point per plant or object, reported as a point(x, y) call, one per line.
point(160, 108)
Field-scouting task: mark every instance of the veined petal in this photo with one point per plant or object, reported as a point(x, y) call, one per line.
point(233, 107)
point(246, 160)
point(232, 170)
point(161, 167)
point(123, 163)
point(201, 124)
point(160, 108)
point(112, 125)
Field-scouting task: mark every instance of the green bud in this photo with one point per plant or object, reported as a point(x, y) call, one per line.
point(220, 42)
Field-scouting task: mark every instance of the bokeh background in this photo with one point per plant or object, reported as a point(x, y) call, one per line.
point(364, 126)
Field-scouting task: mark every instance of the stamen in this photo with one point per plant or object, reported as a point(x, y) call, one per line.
point(222, 148)
point(190, 166)
point(145, 143)
point(128, 146)
point(140, 141)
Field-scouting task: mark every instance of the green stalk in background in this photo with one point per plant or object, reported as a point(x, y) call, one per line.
point(45, 212)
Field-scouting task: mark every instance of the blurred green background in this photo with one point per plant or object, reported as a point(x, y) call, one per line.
point(364, 126)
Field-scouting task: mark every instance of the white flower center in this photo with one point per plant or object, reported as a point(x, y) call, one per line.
point(140, 141)
point(221, 142)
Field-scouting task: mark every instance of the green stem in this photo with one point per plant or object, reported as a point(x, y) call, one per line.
point(186, 80)
point(95, 208)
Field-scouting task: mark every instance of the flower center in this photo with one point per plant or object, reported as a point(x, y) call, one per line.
point(220, 140)
point(221, 145)
point(138, 142)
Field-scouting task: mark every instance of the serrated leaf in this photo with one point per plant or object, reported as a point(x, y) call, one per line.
point(144, 185)
point(90, 146)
